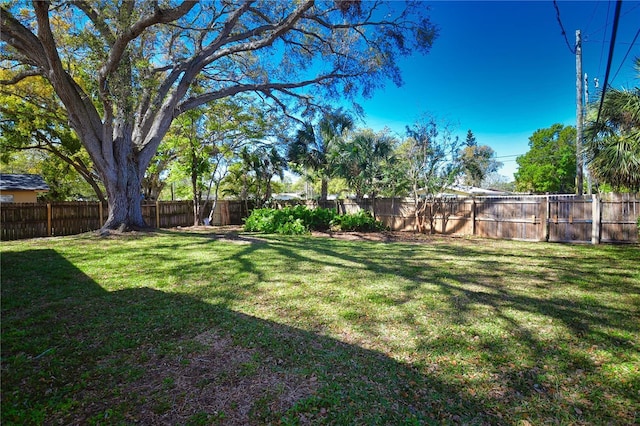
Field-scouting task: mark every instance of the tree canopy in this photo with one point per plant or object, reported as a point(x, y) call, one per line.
point(125, 70)
point(430, 152)
point(477, 161)
point(431, 160)
point(31, 118)
point(550, 163)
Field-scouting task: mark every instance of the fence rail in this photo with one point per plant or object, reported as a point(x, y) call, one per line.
point(32, 220)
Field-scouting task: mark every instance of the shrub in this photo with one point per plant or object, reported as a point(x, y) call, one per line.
point(320, 219)
point(289, 220)
point(362, 221)
point(301, 220)
point(295, 227)
point(261, 220)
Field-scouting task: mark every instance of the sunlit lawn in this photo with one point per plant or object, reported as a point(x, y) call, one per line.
point(182, 328)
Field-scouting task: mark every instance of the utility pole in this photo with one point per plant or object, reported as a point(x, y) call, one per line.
point(587, 175)
point(579, 114)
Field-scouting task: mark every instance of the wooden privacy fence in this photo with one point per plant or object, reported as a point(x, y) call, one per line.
point(31, 220)
point(562, 218)
point(558, 218)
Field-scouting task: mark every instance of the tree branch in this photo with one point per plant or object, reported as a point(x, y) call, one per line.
point(78, 165)
point(191, 67)
point(195, 102)
point(283, 107)
point(277, 31)
point(159, 16)
point(82, 113)
point(208, 55)
point(97, 21)
point(21, 76)
point(21, 38)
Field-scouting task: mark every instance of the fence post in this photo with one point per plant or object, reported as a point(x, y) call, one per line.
point(596, 220)
point(473, 216)
point(49, 220)
point(547, 218)
point(158, 214)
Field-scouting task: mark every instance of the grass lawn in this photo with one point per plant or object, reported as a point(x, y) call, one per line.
point(195, 329)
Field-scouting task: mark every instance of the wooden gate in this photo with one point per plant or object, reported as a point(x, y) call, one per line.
point(570, 218)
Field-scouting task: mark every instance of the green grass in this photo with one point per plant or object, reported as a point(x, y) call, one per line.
point(184, 328)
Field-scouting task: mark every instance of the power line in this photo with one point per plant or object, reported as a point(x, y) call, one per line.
point(564, 33)
point(606, 25)
point(593, 14)
point(625, 56)
point(604, 41)
point(616, 20)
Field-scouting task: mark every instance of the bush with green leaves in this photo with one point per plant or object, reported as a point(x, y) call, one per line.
point(362, 221)
point(296, 227)
point(261, 220)
point(289, 220)
point(302, 220)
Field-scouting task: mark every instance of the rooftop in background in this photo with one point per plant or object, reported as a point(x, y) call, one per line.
point(23, 182)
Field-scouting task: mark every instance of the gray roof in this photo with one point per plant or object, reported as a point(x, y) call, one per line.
point(10, 182)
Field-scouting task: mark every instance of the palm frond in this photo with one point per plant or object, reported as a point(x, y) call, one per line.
point(612, 145)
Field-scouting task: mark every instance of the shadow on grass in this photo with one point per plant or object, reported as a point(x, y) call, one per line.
point(561, 374)
point(74, 353)
point(489, 288)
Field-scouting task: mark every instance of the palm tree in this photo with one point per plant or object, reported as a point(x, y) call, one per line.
point(265, 162)
point(361, 160)
point(612, 145)
point(311, 147)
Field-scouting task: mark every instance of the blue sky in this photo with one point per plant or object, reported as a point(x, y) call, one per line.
point(503, 69)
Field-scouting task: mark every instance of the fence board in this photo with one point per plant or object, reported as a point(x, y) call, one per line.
point(175, 213)
point(557, 218)
point(31, 220)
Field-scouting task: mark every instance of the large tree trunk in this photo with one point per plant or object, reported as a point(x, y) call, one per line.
point(125, 202)
point(122, 176)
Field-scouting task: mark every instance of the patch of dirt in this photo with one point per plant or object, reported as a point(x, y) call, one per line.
point(230, 233)
point(234, 234)
point(225, 384)
point(407, 237)
point(384, 236)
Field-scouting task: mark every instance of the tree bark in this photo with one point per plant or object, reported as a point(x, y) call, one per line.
point(324, 189)
point(122, 176)
point(196, 197)
point(125, 200)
